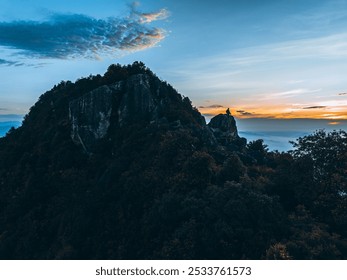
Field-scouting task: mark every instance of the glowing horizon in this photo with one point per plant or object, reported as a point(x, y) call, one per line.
point(278, 112)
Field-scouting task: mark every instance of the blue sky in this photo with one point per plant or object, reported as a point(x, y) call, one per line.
point(261, 58)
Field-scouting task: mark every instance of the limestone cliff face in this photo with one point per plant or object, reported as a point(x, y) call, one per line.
point(90, 115)
point(138, 98)
point(224, 128)
point(137, 101)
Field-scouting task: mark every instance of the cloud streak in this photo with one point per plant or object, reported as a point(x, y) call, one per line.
point(212, 106)
point(10, 62)
point(294, 92)
point(314, 107)
point(69, 36)
point(244, 113)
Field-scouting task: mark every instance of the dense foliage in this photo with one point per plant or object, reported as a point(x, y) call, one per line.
point(150, 192)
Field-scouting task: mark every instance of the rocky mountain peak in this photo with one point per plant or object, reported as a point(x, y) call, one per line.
point(90, 114)
point(224, 128)
point(140, 98)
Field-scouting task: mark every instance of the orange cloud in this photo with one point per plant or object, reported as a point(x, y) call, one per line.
point(280, 111)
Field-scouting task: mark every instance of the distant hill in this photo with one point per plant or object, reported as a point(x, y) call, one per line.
point(121, 166)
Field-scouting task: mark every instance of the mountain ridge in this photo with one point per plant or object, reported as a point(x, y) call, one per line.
point(121, 166)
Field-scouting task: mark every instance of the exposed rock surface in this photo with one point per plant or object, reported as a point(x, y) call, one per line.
point(224, 128)
point(90, 115)
point(137, 102)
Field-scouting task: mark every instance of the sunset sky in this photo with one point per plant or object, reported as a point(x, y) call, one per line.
point(261, 58)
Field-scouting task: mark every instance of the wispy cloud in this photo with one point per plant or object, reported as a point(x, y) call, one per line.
point(10, 62)
point(294, 92)
point(65, 36)
point(147, 17)
point(330, 46)
point(212, 106)
point(262, 72)
point(244, 113)
point(314, 107)
point(287, 94)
